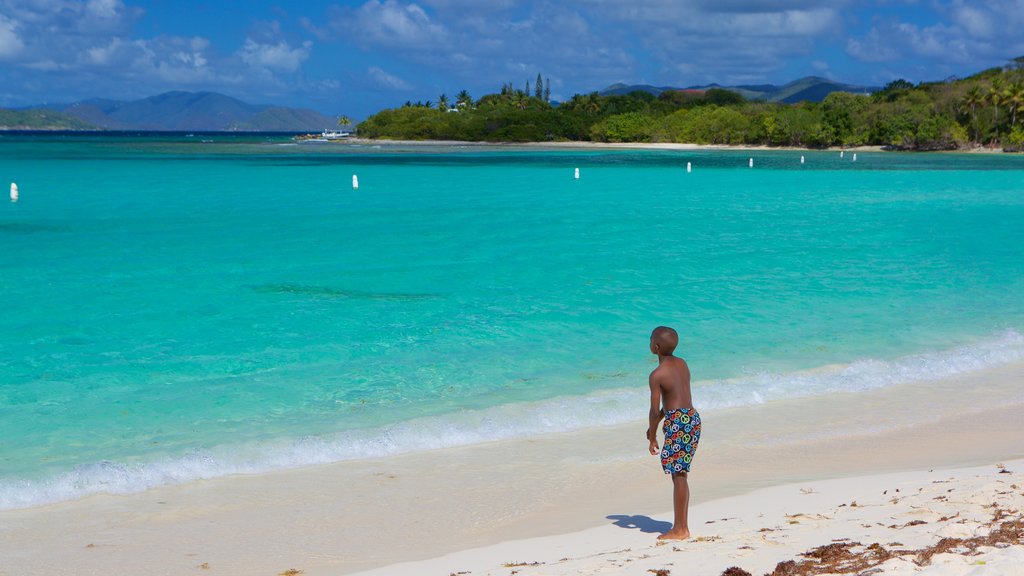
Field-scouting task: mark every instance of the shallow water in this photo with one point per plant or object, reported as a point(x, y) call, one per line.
point(177, 309)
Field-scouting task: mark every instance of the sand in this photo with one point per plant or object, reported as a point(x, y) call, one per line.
point(587, 145)
point(565, 495)
point(942, 522)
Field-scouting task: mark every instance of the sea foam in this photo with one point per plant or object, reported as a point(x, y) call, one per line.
point(505, 422)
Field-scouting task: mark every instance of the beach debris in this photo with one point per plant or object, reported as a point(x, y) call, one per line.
point(204, 566)
point(660, 571)
point(14, 192)
point(90, 545)
point(520, 564)
point(807, 491)
point(290, 572)
point(736, 571)
point(355, 182)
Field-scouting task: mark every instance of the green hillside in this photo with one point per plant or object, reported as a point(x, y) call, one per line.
point(40, 119)
point(986, 109)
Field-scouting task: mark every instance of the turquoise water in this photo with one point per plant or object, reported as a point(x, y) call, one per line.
point(176, 309)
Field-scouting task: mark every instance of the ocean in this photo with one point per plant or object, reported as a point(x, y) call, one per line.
point(178, 307)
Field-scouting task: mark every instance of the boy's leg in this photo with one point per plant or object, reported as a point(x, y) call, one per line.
point(681, 503)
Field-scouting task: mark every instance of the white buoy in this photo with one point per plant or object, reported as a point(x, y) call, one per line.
point(355, 182)
point(841, 152)
point(751, 163)
point(576, 174)
point(801, 159)
point(854, 156)
point(14, 192)
point(689, 168)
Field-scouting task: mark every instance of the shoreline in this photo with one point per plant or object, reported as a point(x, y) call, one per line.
point(590, 145)
point(330, 519)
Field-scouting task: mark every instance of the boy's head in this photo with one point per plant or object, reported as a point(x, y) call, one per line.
point(664, 341)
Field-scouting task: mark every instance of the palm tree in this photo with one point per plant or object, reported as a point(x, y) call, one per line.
point(344, 121)
point(442, 102)
point(996, 96)
point(1015, 99)
point(521, 100)
point(463, 99)
point(972, 99)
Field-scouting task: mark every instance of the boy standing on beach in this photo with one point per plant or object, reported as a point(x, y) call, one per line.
point(670, 398)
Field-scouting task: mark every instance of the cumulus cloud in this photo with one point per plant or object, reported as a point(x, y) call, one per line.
point(274, 56)
point(387, 81)
point(394, 24)
point(968, 33)
point(10, 42)
point(585, 44)
point(72, 49)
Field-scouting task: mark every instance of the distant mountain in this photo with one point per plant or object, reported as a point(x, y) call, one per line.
point(199, 111)
point(623, 89)
point(809, 89)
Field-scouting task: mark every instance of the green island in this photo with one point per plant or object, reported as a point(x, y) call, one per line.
point(41, 119)
point(983, 110)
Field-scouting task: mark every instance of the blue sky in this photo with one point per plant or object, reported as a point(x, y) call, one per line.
point(355, 57)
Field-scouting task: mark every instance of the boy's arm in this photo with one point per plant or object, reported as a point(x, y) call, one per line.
point(655, 415)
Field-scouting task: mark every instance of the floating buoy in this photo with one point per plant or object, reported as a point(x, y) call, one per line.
point(751, 163)
point(576, 174)
point(841, 152)
point(854, 156)
point(14, 192)
point(689, 168)
point(355, 182)
point(801, 159)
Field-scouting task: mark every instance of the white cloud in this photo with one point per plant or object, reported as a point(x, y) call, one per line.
point(972, 34)
point(393, 24)
point(279, 56)
point(387, 81)
point(10, 42)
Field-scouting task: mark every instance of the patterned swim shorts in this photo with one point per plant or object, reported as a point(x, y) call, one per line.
point(682, 433)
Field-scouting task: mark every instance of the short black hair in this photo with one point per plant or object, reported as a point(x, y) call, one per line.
point(666, 338)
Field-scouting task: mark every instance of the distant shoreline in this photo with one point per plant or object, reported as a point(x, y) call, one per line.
point(555, 145)
point(589, 145)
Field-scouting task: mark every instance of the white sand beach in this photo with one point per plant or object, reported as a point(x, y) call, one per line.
point(592, 497)
point(940, 522)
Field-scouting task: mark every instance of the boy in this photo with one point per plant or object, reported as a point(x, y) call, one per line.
point(670, 388)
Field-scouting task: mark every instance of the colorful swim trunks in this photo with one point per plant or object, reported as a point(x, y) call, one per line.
point(682, 433)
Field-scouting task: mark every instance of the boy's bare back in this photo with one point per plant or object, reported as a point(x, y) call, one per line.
point(672, 377)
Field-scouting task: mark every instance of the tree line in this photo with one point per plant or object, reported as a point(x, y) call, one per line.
point(982, 110)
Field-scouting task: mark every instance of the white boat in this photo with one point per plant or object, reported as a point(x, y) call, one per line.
point(334, 135)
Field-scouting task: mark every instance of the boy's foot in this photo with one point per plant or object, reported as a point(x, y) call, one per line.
point(674, 534)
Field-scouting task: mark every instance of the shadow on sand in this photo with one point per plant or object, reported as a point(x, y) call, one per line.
point(642, 523)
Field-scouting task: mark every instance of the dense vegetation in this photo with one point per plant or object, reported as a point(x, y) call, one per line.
point(984, 109)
